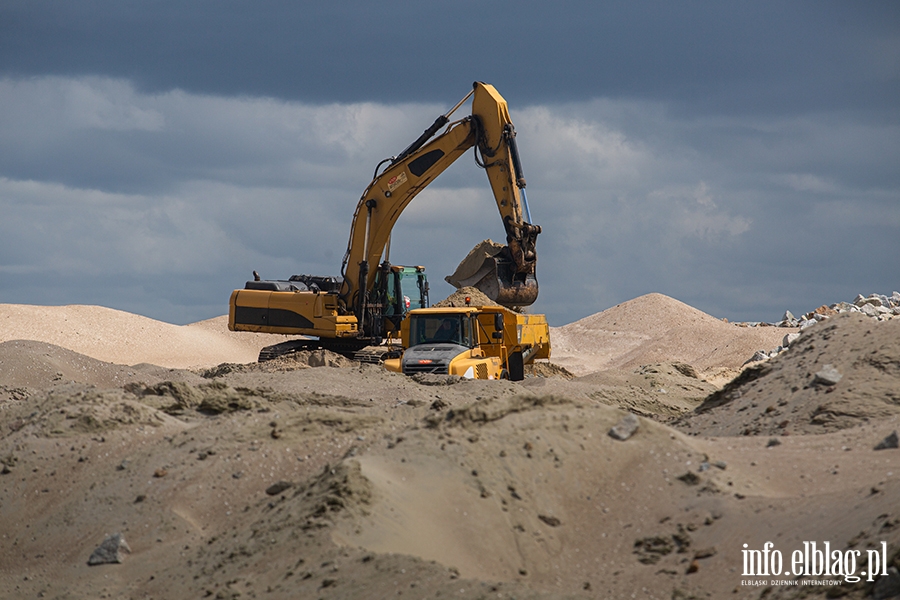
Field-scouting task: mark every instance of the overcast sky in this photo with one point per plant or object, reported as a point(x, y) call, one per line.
point(742, 157)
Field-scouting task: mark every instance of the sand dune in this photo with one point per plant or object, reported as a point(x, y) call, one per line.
point(127, 339)
point(657, 328)
point(280, 480)
point(652, 328)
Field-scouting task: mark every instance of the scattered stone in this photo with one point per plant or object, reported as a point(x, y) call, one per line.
point(758, 356)
point(824, 311)
point(789, 339)
point(690, 478)
point(110, 551)
point(889, 442)
point(277, 488)
point(160, 473)
point(693, 567)
point(827, 376)
point(705, 552)
point(650, 549)
point(887, 587)
point(686, 369)
point(625, 428)
point(773, 442)
point(551, 521)
point(869, 310)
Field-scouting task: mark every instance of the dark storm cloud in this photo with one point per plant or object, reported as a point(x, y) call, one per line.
point(741, 157)
point(771, 57)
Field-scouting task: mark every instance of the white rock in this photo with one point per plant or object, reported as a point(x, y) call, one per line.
point(828, 375)
point(625, 428)
point(869, 310)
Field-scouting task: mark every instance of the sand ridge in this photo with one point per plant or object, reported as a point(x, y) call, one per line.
point(656, 328)
point(318, 477)
point(124, 338)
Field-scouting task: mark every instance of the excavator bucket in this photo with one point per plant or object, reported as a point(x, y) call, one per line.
point(489, 269)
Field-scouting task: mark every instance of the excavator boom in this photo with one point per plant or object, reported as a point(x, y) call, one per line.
point(508, 276)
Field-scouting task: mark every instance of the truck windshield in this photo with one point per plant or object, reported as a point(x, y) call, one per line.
point(429, 329)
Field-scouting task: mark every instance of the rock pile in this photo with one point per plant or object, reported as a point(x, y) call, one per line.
point(875, 306)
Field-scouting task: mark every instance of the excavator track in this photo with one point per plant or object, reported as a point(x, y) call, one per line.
point(348, 348)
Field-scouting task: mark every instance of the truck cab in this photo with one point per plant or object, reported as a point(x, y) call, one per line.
point(475, 342)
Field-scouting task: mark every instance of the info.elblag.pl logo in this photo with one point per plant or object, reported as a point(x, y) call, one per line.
point(814, 560)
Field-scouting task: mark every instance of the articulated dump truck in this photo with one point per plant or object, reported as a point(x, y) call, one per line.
point(476, 342)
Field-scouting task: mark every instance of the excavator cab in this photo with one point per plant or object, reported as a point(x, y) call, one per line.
point(397, 291)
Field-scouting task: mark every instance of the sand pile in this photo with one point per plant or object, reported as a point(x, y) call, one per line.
point(458, 299)
point(30, 364)
point(475, 265)
point(321, 478)
point(655, 328)
point(351, 482)
point(838, 374)
point(123, 338)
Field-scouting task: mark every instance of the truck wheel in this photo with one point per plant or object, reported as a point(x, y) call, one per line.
point(516, 365)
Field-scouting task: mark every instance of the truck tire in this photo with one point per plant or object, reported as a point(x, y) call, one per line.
point(516, 366)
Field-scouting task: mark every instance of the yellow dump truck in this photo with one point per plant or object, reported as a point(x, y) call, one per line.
point(476, 342)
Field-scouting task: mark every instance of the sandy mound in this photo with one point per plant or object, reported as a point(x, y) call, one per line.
point(654, 390)
point(458, 299)
point(793, 393)
point(314, 477)
point(30, 364)
point(123, 338)
point(352, 482)
point(655, 328)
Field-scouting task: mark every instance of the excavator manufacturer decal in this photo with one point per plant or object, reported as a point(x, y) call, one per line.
point(396, 181)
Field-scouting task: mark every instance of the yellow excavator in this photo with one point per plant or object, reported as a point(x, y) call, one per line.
point(366, 304)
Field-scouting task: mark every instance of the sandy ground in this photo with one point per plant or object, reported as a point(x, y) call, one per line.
point(114, 336)
point(318, 477)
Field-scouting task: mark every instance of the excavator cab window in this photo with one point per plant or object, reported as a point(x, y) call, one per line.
point(412, 288)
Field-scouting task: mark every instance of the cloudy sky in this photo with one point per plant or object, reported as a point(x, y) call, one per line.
point(742, 157)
